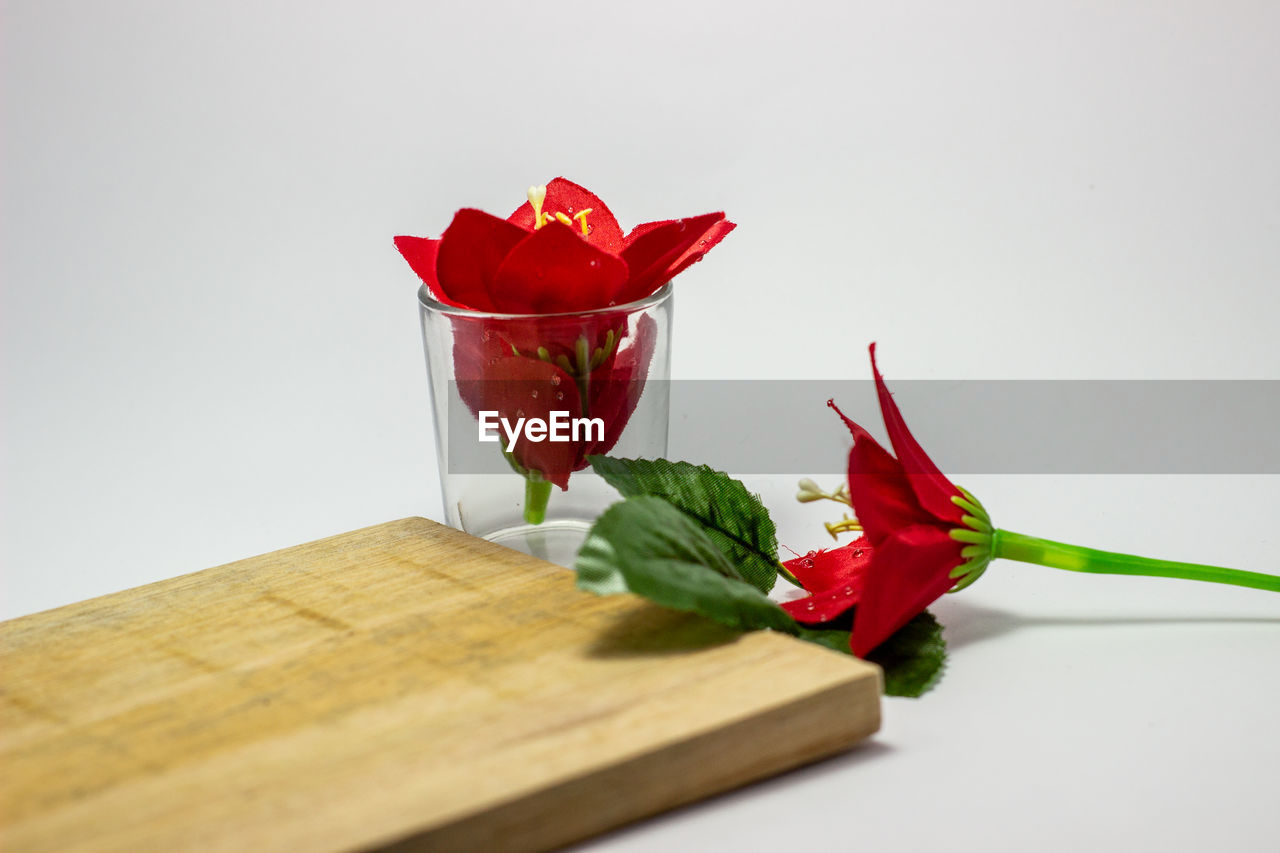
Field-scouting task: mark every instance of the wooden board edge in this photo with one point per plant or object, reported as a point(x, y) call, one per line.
point(787, 736)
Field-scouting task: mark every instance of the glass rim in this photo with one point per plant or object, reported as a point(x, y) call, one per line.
point(426, 300)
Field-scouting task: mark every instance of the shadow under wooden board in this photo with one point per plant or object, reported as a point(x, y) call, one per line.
point(402, 685)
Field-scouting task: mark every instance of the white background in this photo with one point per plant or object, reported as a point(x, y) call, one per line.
point(211, 348)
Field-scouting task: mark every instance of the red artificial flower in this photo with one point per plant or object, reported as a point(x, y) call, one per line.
point(923, 536)
point(555, 266)
point(560, 252)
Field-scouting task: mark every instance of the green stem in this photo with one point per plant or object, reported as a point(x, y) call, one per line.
point(787, 576)
point(1044, 552)
point(536, 494)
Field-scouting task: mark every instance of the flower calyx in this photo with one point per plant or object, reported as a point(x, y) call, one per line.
point(977, 534)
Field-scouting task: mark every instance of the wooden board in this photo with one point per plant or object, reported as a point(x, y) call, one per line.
point(405, 684)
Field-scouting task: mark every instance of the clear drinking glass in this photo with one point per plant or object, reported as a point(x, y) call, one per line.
point(598, 382)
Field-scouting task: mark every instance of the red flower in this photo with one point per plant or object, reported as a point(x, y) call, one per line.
point(556, 265)
point(560, 252)
point(926, 536)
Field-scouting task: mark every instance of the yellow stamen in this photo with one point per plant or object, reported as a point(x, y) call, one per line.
point(844, 525)
point(546, 217)
point(581, 216)
point(537, 195)
point(564, 219)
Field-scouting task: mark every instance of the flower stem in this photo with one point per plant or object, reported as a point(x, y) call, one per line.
point(1044, 552)
point(788, 577)
point(536, 494)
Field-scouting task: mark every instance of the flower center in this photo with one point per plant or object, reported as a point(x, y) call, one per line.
point(538, 197)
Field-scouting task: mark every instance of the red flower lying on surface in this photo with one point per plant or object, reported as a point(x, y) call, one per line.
point(562, 251)
point(923, 537)
point(555, 266)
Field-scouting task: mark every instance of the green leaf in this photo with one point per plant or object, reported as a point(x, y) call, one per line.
point(913, 658)
point(732, 517)
point(832, 638)
point(647, 546)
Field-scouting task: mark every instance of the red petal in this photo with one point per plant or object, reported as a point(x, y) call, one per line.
point(517, 387)
point(854, 430)
point(909, 571)
point(653, 256)
point(567, 197)
point(616, 386)
point(881, 496)
point(644, 228)
point(471, 250)
point(420, 252)
point(706, 243)
point(878, 489)
point(932, 489)
point(824, 569)
point(824, 606)
point(553, 270)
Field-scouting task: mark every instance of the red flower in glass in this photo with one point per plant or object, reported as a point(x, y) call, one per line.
point(555, 265)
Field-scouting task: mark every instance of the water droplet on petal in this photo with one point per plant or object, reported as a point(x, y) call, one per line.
point(810, 606)
point(857, 552)
point(555, 379)
point(808, 564)
point(848, 590)
point(559, 395)
point(519, 413)
point(534, 394)
point(493, 361)
point(595, 262)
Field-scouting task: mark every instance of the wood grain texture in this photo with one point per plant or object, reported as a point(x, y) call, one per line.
point(404, 685)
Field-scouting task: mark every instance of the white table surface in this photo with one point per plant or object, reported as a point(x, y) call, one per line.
point(211, 349)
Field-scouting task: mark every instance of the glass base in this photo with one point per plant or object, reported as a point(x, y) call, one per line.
point(554, 541)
